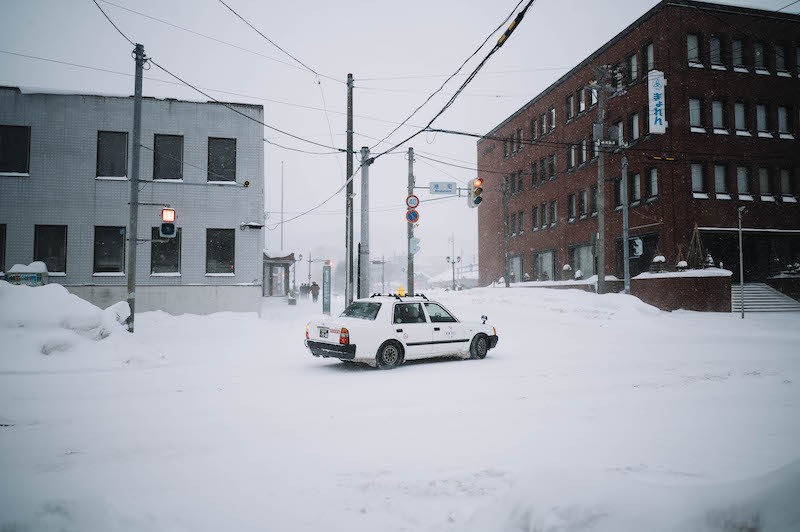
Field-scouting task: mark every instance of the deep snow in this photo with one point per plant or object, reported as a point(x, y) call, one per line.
point(593, 413)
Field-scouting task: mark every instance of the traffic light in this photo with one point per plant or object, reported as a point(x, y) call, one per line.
point(475, 192)
point(167, 229)
point(414, 245)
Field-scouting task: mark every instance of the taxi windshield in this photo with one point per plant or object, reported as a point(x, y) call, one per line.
point(363, 310)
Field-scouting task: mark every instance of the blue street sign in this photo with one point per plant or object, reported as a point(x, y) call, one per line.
point(412, 216)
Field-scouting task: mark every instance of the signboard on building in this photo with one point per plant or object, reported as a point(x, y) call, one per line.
point(443, 187)
point(658, 104)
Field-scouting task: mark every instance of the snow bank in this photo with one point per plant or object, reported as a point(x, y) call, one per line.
point(707, 272)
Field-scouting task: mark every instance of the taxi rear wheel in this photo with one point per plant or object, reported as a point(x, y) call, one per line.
point(390, 355)
point(479, 346)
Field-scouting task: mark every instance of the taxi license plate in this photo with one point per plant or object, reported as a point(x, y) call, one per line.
point(323, 332)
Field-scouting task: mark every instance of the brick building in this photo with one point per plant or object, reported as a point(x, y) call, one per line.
point(65, 188)
point(733, 111)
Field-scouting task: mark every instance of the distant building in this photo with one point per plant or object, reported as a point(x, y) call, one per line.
point(64, 192)
point(732, 101)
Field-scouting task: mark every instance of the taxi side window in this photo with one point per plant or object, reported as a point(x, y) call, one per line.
point(438, 314)
point(408, 313)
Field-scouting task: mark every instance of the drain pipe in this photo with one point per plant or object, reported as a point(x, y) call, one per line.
point(741, 263)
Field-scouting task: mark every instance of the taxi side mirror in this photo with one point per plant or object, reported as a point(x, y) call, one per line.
point(484, 318)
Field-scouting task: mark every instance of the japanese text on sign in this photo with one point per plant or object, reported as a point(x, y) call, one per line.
point(658, 103)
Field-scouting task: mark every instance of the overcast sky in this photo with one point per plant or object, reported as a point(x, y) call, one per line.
point(397, 51)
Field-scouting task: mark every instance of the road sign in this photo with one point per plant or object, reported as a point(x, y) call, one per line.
point(414, 247)
point(326, 289)
point(412, 201)
point(412, 216)
point(443, 187)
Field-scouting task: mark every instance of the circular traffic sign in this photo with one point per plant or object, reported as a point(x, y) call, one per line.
point(412, 201)
point(412, 216)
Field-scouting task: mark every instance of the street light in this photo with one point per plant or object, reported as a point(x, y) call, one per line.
point(453, 262)
point(741, 262)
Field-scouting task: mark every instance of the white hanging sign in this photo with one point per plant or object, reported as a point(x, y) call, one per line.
point(658, 104)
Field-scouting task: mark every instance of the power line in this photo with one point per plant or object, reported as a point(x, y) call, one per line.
point(436, 76)
point(112, 23)
point(461, 66)
point(273, 43)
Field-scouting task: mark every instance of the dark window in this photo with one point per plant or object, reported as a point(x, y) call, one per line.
point(165, 253)
point(552, 118)
point(112, 154)
point(520, 184)
point(168, 157)
point(409, 313)
point(520, 222)
point(109, 249)
point(737, 53)
point(698, 178)
point(715, 49)
point(743, 181)
point(618, 192)
point(765, 181)
point(652, 184)
point(543, 211)
point(571, 208)
point(787, 190)
point(649, 60)
point(633, 68)
point(552, 166)
point(718, 115)
point(535, 218)
point(438, 314)
point(50, 246)
point(512, 180)
point(593, 199)
point(570, 107)
point(553, 216)
point(758, 56)
point(543, 170)
point(534, 174)
point(582, 200)
point(693, 48)
point(362, 310)
point(636, 189)
point(221, 159)
point(15, 149)
point(3, 247)
point(534, 129)
point(220, 250)
point(780, 58)
point(513, 228)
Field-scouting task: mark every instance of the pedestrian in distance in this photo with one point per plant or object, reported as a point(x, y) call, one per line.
point(314, 291)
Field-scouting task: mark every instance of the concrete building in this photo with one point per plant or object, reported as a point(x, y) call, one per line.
point(732, 101)
point(64, 193)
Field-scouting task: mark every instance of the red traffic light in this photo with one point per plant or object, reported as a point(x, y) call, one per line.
point(477, 182)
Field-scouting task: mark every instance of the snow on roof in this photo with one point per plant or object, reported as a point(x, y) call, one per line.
point(33, 267)
point(708, 272)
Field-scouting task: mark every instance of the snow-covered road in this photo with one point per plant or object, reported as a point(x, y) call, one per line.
point(593, 413)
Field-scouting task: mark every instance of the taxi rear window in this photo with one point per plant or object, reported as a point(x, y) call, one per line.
point(363, 310)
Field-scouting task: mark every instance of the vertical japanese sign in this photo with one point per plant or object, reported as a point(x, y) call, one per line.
point(326, 289)
point(658, 103)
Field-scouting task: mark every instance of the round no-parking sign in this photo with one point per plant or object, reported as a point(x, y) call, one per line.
point(412, 216)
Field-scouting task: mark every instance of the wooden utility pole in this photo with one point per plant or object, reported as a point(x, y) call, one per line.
point(134, 200)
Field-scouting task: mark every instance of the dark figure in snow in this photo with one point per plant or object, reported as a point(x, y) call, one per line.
point(303, 291)
point(314, 291)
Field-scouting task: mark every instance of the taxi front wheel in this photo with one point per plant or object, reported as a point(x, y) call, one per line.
point(479, 346)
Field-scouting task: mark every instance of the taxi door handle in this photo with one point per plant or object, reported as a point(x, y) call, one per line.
point(398, 330)
point(436, 328)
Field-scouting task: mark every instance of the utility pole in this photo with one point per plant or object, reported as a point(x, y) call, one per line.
point(599, 136)
point(134, 201)
point(364, 262)
point(348, 275)
point(281, 204)
point(504, 187)
point(625, 252)
point(410, 226)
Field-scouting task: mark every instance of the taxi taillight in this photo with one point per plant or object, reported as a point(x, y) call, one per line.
point(307, 336)
point(344, 337)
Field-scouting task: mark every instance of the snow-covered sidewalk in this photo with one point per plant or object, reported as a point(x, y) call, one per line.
point(593, 413)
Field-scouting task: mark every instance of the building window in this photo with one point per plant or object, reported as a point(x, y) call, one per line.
point(221, 159)
point(698, 181)
point(652, 184)
point(695, 113)
point(534, 128)
point(636, 189)
point(545, 266)
point(593, 96)
point(512, 228)
point(220, 250)
point(721, 181)
point(534, 218)
point(583, 260)
point(582, 203)
point(581, 100)
point(758, 56)
point(715, 51)
point(783, 121)
point(571, 212)
point(740, 117)
point(593, 200)
point(165, 253)
point(534, 174)
point(553, 217)
point(618, 192)
point(520, 222)
point(594, 149)
point(505, 148)
point(519, 139)
point(780, 58)
point(543, 170)
point(112, 154)
point(633, 68)
point(765, 182)
point(718, 115)
point(570, 107)
point(582, 152)
point(543, 122)
point(743, 182)
point(552, 118)
point(520, 184)
point(634, 127)
point(552, 167)
point(736, 53)
point(693, 49)
point(15, 149)
point(572, 156)
point(620, 129)
point(787, 191)
point(168, 157)
point(50, 247)
point(3, 247)
point(543, 211)
point(761, 118)
point(109, 249)
point(649, 59)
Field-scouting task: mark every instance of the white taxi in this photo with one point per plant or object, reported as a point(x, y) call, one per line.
point(386, 330)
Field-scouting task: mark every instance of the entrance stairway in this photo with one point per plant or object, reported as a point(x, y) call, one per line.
point(759, 297)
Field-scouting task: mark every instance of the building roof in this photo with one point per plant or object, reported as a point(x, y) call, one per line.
point(62, 92)
point(691, 4)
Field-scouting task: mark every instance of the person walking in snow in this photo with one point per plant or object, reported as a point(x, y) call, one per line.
point(314, 291)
